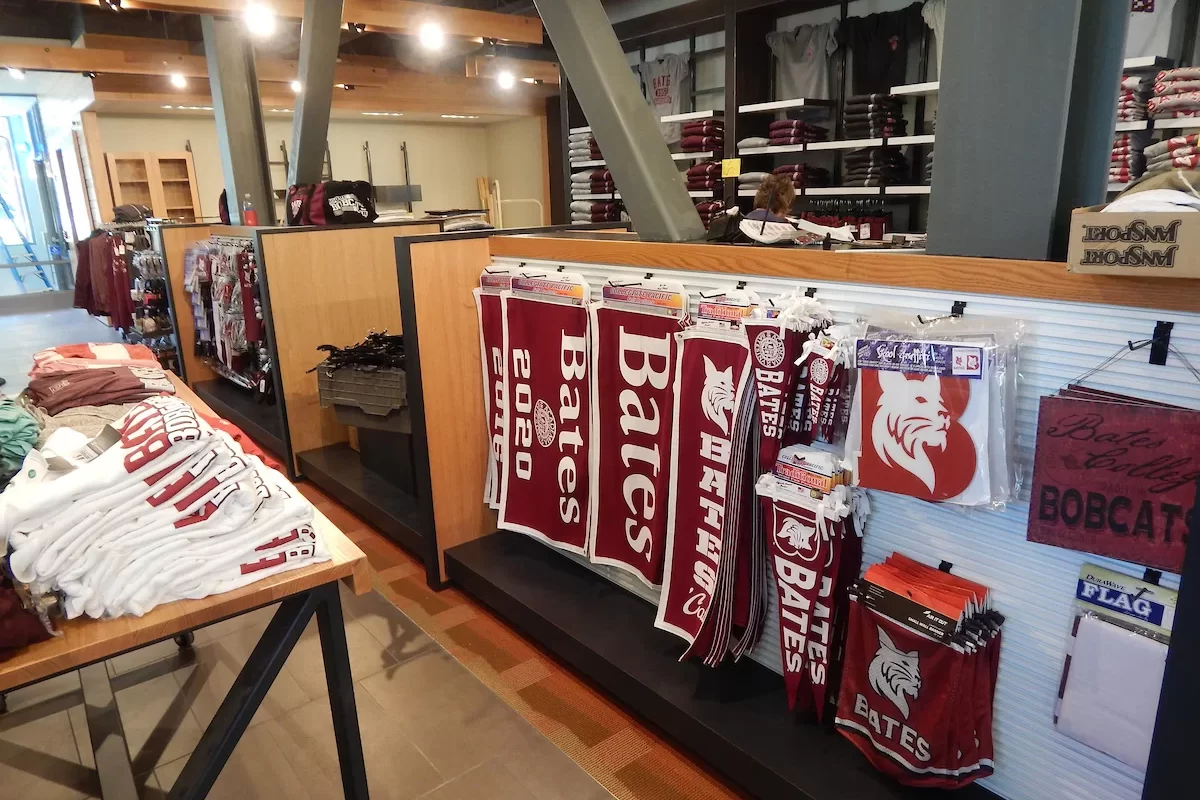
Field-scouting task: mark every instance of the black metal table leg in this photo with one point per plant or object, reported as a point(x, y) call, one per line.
point(246, 694)
point(341, 692)
point(107, 734)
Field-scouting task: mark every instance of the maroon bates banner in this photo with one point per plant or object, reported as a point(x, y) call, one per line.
point(711, 377)
point(1115, 479)
point(633, 362)
point(544, 490)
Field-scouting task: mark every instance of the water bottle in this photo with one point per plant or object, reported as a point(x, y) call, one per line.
point(249, 215)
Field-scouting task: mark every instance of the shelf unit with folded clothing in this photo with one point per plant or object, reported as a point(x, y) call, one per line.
point(599, 162)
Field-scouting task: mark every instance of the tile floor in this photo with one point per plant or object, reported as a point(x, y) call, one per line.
point(430, 729)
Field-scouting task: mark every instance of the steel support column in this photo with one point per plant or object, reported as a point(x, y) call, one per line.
point(320, 34)
point(621, 120)
point(234, 84)
point(1026, 110)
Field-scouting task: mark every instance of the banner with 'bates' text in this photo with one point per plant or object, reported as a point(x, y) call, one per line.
point(491, 347)
point(712, 374)
point(633, 370)
point(544, 485)
point(1115, 476)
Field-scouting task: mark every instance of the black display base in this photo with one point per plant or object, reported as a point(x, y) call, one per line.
point(261, 422)
point(337, 470)
point(735, 719)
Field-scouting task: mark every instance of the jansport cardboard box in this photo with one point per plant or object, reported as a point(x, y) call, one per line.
point(1161, 245)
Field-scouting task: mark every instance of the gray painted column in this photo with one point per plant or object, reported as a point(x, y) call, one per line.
point(234, 84)
point(320, 34)
point(1026, 113)
point(621, 120)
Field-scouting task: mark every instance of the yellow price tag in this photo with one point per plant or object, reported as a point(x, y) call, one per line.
point(731, 167)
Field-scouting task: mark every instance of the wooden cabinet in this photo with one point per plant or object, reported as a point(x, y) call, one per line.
point(164, 182)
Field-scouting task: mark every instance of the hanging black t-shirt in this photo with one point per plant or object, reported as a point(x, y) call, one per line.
point(880, 46)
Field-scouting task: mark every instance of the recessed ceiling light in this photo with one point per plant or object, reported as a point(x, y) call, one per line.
point(431, 36)
point(178, 81)
point(460, 116)
point(529, 80)
point(19, 74)
point(297, 86)
point(168, 106)
point(506, 80)
point(260, 19)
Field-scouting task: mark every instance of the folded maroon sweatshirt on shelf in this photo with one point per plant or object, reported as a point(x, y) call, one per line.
point(795, 124)
point(706, 128)
point(792, 170)
point(698, 144)
point(777, 141)
point(703, 186)
point(705, 168)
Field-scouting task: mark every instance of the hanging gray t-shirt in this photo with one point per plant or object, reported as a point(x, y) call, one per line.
point(934, 14)
point(666, 84)
point(803, 56)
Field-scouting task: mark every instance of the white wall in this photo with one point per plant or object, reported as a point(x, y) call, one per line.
point(444, 159)
point(515, 159)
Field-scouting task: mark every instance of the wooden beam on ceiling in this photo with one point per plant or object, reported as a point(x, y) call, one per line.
point(143, 44)
point(143, 62)
point(387, 16)
point(489, 67)
point(418, 93)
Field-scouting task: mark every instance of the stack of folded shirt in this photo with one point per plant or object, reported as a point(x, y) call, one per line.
point(702, 135)
point(796, 131)
point(875, 166)
point(93, 387)
point(751, 180)
point(1179, 152)
point(1132, 97)
point(928, 177)
point(596, 211)
point(592, 181)
point(705, 176)
point(583, 147)
point(804, 174)
point(1128, 162)
point(1176, 93)
point(874, 115)
point(707, 210)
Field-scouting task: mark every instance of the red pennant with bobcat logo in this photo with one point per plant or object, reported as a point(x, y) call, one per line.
point(803, 537)
point(773, 352)
point(544, 487)
point(633, 367)
point(491, 351)
point(712, 373)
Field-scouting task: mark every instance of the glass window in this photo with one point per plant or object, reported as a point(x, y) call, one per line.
point(15, 222)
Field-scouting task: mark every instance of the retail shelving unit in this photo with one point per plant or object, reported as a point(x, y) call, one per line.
point(734, 718)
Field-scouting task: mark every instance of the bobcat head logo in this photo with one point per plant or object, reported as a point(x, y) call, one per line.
point(911, 417)
point(717, 395)
point(894, 673)
point(795, 539)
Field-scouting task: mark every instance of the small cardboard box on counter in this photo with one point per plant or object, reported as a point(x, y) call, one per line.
point(1159, 244)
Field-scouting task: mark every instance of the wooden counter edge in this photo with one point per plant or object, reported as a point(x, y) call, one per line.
point(1042, 280)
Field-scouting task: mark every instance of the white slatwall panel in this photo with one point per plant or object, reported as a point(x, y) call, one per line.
point(1033, 584)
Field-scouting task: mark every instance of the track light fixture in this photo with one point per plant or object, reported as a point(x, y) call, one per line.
point(356, 27)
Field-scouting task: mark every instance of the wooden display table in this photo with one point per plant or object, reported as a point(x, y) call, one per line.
point(86, 644)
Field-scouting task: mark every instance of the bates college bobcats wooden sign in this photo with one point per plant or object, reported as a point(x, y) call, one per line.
point(1115, 478)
